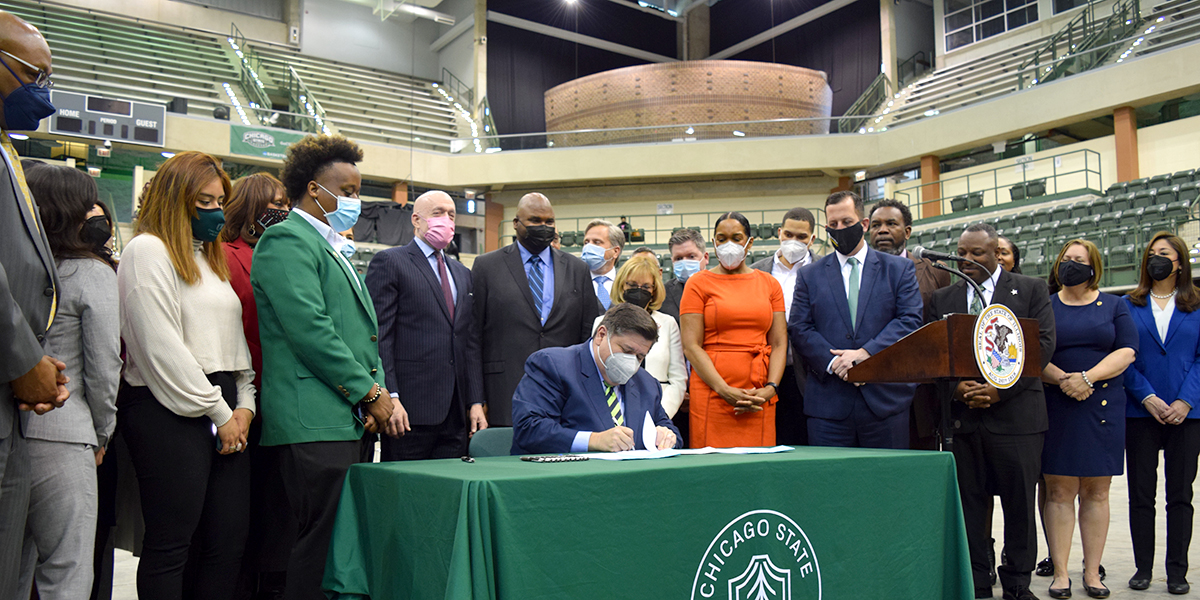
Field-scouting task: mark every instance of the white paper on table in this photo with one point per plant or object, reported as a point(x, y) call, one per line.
point(649, 433)
point(633, 454)
point(740, 450)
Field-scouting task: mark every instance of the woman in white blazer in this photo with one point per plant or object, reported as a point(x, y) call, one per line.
point(639, 281)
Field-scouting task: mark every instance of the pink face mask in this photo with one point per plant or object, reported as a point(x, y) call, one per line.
point(441, 231)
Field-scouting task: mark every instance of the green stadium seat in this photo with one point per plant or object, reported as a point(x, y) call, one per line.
point(1042, 215)
point(1182, 177)
point(974, 200)
point(1017, 192)
point(1033, 260)
point(1005, 222)
point(1188, 192)
point(1013, 233)
point(958, 204)
point(1121, 202)
point(1116, 188)
point(1060, 212)
point(1110, 220)
point(1137, 185)
point(1158, 181)
point(1081, 209)
point(637, 235)
point(1144, 198)
point(1035, 188)
point(567, 238)
point(1122, 263)
point(1179, 211)
point(1166, 195)
point(1024, 218)
point(1032, 232)
point(1097, 206)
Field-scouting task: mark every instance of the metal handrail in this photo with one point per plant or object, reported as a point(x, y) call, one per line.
point(1082, 20)
point(1126, 17)
point(458, 87)
point(252, 86)
point(866, 105)
point(912, 60)
point(302, 100)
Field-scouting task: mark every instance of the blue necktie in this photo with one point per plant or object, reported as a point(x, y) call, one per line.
point(537, 282)
point(601, 293)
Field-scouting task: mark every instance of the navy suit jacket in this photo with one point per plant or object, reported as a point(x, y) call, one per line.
point(889, 308)
point(562, 394)
point(425, 354)
point(1167, 370)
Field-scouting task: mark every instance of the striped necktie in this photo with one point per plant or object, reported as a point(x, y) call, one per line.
point(614, 406)
point(537, 282)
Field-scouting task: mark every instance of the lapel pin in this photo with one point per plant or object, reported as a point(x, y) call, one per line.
point(1014, 292)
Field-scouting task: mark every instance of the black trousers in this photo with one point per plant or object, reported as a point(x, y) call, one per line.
point(447, 439)
point(272, 524)
point(312, 477)
point(1008, 466)
point(791, 424)
point(1180, 444)
point(195, 502)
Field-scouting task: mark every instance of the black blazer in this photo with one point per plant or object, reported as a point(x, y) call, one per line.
point(425, 354)
point(1022, 408)
point(511, 330)
point(670, 304)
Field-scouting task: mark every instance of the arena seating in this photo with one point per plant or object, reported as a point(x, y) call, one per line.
point(106, 55)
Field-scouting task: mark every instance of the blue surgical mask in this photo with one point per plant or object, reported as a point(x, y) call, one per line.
point(593, 255)
point(348, 249)
point(345, 215)
point(26, 106)
point(686, 268)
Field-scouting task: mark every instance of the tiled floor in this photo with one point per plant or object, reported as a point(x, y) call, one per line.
point(1118, 556)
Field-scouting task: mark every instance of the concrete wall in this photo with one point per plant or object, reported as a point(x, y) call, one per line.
point(914, 29)
point(459, 55)
point(351, 33)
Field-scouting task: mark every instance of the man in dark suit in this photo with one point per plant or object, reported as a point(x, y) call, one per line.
point(998, 433)
point(594, 396)
point(427, 337)
point(848, 306)
point(528, 296)
point(890, 227)
point(795, 236)
point(29, 380)
point(688, 257)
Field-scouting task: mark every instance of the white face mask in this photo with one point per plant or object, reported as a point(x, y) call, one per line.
point(620, 367)
point(732, 254)
point(793, 251)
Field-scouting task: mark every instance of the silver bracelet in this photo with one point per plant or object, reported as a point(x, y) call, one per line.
point(1083, 374)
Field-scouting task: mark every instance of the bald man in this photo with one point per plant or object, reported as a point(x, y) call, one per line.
point(428, 341)
point(528, 296)
point(29, 380)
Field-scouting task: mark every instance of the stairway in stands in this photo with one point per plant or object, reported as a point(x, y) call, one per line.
point(1167, 25)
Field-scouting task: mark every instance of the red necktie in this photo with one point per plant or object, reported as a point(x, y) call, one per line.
point(445, 277)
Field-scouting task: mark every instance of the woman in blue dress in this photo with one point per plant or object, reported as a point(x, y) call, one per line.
point(1163, 391)
point(1085, 402)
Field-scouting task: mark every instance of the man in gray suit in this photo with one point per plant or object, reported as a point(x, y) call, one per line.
point(528, 296)
point(28, 287)
point(795, 237)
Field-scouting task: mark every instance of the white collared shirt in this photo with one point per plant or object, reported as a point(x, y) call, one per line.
point(335, 240)
point(1162, 317)
point(431, 256)
point(787, 279)
point(847, 268)
point(989, 289)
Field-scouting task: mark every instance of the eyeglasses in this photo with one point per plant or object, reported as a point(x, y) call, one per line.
point(649, 287)
point(42, 79)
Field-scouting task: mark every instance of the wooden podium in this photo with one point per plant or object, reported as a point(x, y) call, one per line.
point(941, 351)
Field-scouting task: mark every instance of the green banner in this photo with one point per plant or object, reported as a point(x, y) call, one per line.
point(259, 142)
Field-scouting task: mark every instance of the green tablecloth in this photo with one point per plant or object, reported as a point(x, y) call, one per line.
point(812, 523)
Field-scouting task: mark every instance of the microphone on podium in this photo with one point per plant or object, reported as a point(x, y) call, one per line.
point(934, 256)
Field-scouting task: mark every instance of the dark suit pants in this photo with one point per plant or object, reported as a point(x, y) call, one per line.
point(14, 503)
point(861, 429)
point(195, 502)
point(791, 424)
point(1181, 447)
point(272, 524)
point(312, 477)
point(447, 439)
point(1009, 466)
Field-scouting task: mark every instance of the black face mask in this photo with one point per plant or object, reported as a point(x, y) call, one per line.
point(96, 231)
point(1159, 267)
point(537, 237)
point(1072, 273)
point(638, 297)
point(845, 240)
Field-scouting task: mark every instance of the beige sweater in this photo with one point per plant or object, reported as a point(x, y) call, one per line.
point(176, 333)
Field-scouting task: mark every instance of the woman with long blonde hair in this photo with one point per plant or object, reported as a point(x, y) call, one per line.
point(187, 399)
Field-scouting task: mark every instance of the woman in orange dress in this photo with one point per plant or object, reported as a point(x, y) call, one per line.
point(735, 335)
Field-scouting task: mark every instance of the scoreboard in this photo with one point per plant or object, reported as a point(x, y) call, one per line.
point(99, 118)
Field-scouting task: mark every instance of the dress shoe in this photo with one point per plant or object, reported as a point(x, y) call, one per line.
point(1045, 568)
point(1097, 592)
point(1061, 592)
point(1020, 593)
point(1139, 581)
point(1179, 587)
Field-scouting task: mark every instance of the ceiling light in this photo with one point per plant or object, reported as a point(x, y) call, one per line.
point(861, 175)
point(18, 136)
point(689, 130)
point(739, 134)
point(168, 154)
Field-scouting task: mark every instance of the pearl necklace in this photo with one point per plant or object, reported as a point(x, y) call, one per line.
point(1166, 297)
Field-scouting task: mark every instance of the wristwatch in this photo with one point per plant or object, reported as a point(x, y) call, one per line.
point(772, 384)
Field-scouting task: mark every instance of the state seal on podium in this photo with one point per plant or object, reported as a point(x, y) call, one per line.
point(999, 346)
